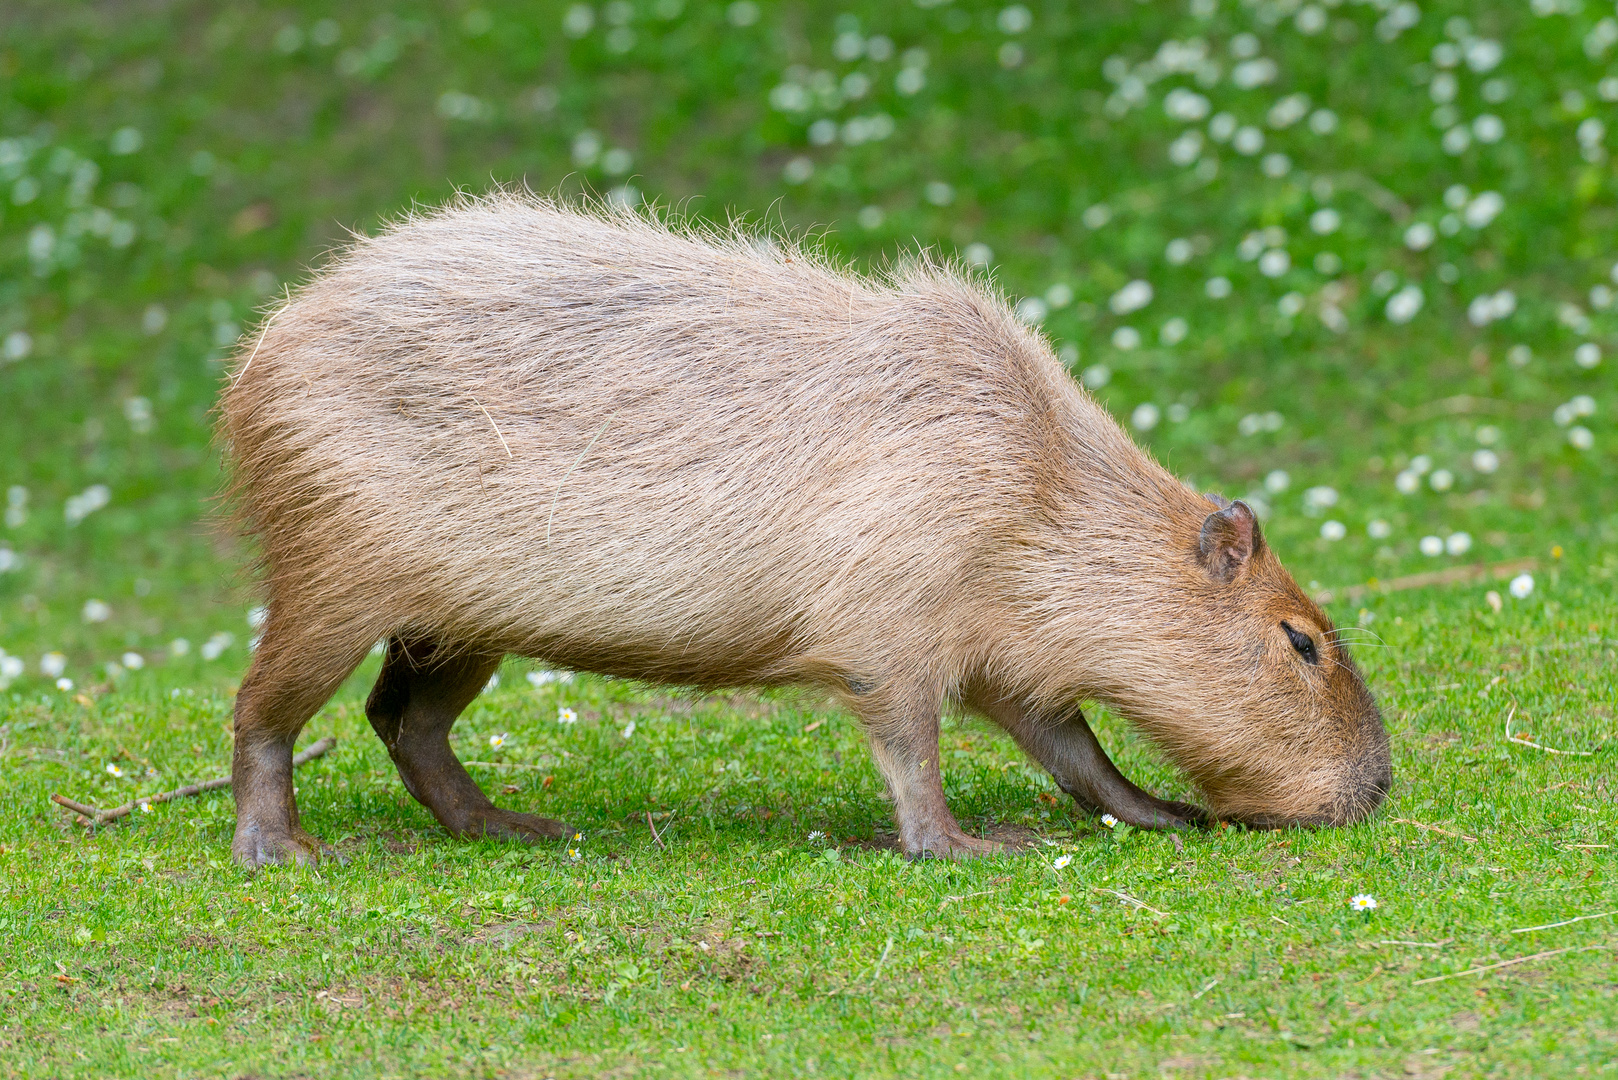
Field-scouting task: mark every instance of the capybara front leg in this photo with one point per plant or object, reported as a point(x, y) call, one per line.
point(281, 691)
point(906, 751)
point(421, 691)
point(1066, 746)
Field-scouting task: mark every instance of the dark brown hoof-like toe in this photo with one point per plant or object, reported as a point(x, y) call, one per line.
point(510, 825)
point(1163, 814)
point(256, 846)
point(954, 845)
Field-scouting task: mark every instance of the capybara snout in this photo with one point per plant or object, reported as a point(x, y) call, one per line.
point(686, 456)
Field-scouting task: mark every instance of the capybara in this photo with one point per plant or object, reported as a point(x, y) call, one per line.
point(710, 458)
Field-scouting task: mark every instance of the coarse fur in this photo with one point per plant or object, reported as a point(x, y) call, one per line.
point(715, 459)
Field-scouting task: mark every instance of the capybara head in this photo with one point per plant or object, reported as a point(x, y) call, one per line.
point(1272, 720)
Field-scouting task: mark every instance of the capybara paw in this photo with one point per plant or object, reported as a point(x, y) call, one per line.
point(954, 845)
point(1164, 814)
point(257, 846)
point(510, 825)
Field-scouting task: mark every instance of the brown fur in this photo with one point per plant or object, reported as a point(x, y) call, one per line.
point(717, 460)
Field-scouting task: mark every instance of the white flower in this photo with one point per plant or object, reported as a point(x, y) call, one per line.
point(566, 716)
point(1458, 543)
point(1318, 499)
point(1441, 480)
point(1485, 461)
point(1432, 546)
point(1484, 208)
point(1061, 861)
point(1379, 530)
point(1179, 251)
point(113, 769)
point(1185, 105)
point(1521, 586)
point(1145, 416)
point(1325, 221)
point(1333, 530)
point(1132, 297)
point(979, 254)
point(1403, 305)
point(95, 611)
point(179, 647)
point(1274, 263)
point(1032, 310)
point(1125, 338)
point(1218, 287)
point(574, 854)
point(1108, 820)
point(817, 835)
point(52, 664)
point(497, 741)
point(1587, 355)
point(1420, 236)
point(134, 661)
point(1363, 902)
point(1247, 140)
point(64, 685)
point(629, 729)
point(145, 807)
point(1580, 438)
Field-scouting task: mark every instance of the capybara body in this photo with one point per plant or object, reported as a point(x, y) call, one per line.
point(716, 460)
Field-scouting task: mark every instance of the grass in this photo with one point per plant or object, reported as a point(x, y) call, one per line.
point(167, 168)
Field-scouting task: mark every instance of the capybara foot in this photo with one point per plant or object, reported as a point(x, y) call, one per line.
point(510, 825)
point(1162, 814)
point(257, 845)
point(953, 844)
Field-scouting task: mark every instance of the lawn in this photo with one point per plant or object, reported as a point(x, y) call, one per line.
point(1354, 262)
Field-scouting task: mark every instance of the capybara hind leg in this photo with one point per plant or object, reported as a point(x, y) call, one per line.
point(278, 696)
point(1066, 746)
point(421, 691)
point(906, 751)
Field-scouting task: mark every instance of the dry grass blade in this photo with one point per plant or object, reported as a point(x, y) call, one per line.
point(1126, 898)
point(1434, 828)
point(1564, 922)
point(1505, 964)
point(1421, 944)
point(1520, 741)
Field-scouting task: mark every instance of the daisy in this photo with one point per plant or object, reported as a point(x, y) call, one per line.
point(1362, 902)
point(497, 741)
point(1062, 861)
point(566, 716)
point(1108, 820)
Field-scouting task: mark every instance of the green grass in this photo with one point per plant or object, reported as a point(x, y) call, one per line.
point(746, 943)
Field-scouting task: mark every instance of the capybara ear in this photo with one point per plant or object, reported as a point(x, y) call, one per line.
point(1216, 498)
point(1230, 537)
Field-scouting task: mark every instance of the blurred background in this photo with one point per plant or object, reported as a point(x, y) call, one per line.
point(1353, 261)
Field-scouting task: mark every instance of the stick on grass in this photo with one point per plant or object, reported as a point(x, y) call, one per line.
point(1504, 964)
point(92, 817)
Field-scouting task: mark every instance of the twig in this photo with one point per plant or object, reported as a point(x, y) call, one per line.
point(658, 840)
point(1520, 741)
point(1421, 944)
point(883, 959)
point(1211, 983)
point(93, 817)
point(492, 424)
point(1504, 964)
point(1126, 898)
point(1435, 828)
point(575, 465)
point(1452, 576)
point(1564, 922)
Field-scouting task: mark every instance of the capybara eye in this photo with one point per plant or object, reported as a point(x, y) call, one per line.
point(1302, 642)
